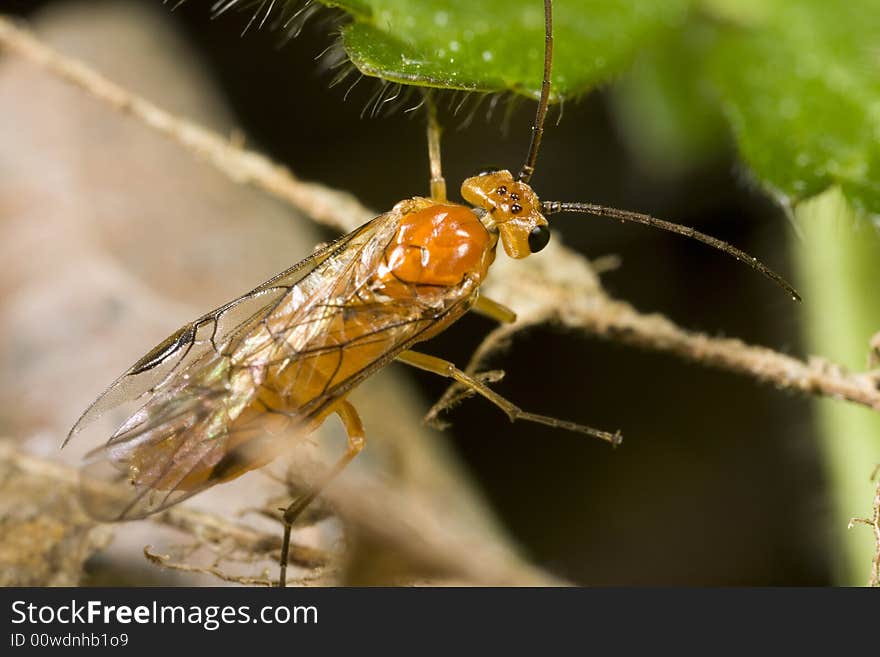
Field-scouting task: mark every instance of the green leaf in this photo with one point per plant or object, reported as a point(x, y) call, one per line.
point(498, 45)
point(668, 114)
point(800, 84)
point(798, 80)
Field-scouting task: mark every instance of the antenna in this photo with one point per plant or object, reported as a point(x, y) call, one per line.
point(525, 174)
point(553, 207)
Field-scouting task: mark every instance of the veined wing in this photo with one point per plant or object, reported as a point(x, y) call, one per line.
point(164, 396)
point(225, 393)
point(157, 369)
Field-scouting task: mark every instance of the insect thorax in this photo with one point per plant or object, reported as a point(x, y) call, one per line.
point(436, 245)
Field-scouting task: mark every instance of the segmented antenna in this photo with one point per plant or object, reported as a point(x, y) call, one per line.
point(553, 207)
point(525, 174)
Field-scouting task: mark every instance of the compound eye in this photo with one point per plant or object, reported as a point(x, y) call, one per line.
point(538, 238)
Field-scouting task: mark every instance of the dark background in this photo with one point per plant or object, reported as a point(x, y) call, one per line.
point(718, 481)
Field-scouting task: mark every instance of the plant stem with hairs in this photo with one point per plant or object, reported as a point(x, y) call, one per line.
point(838, 260)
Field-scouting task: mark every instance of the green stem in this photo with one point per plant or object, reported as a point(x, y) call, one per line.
point(838, 261)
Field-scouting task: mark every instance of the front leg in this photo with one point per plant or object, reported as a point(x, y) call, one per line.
point(493, 310)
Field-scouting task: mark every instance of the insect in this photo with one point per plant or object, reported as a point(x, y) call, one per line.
point(229, 392)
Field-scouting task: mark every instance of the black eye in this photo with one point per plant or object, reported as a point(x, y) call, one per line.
point(538, 238)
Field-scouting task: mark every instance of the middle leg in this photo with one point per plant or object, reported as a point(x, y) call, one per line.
point(514, 412)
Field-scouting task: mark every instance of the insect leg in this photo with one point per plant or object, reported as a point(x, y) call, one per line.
point(514, 412)
point(354, 429)
point(438, 182)
point(494, 310)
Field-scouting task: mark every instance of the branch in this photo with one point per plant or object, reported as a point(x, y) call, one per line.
point(874, 523)
point(404, 521)
point(199, 525)
point(164, 561)
point(330, 207)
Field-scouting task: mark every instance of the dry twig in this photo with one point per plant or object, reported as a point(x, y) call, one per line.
point(330, 207)
point(605, 317)
point(874, 523)
point(164, 560)
point(202, 526)
point(418, 531)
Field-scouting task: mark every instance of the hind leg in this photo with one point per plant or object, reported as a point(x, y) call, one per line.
point(354, 429)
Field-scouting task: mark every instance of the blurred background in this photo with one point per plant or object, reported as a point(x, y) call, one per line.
point(718, 481)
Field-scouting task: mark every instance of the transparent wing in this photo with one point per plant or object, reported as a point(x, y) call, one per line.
point(164, 398)
point(226, 393)
point(156, 369)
